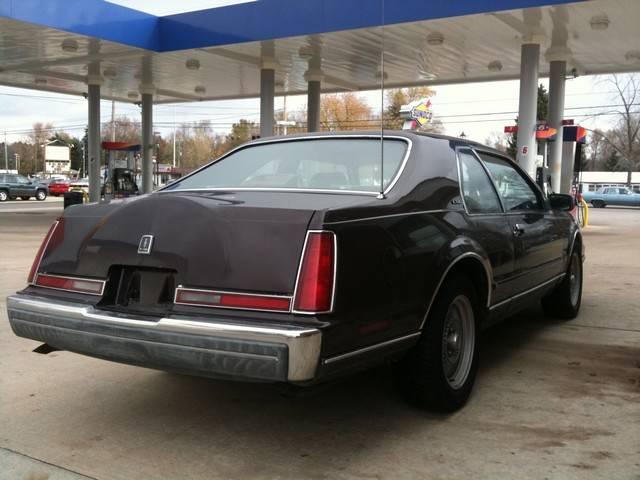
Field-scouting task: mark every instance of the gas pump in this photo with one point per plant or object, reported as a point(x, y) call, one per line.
point(120, 174)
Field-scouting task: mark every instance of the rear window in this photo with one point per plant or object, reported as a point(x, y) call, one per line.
point(348, 164)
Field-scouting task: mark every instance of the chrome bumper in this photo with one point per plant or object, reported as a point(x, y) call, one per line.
point(201, 346)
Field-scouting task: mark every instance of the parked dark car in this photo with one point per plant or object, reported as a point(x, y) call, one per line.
point(286, 261)
point(14, 186)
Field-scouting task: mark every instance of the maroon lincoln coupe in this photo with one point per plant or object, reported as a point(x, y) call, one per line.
point(303, 258)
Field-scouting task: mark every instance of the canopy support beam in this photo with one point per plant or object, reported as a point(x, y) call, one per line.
point(528, 105)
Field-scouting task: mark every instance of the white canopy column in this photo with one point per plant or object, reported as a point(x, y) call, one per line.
point(147, 92)
point(94, 81)
point(557, 58)
point(314, 80)
point(528, 105)
point(267, 95)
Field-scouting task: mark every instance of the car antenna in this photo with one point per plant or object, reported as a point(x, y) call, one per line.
point(381, 194)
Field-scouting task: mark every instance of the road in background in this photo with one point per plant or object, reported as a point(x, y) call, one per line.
point(51, 204)
point(556, 400)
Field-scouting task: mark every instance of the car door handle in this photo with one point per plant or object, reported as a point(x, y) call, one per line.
point(518, 231)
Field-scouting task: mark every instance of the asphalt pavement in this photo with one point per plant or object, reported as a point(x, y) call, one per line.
point(50, 204)
point(554, 400)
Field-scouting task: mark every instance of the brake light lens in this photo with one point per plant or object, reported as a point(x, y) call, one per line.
point(71, 284)
point(244, 301)
point(54, 237)
point(316, 277)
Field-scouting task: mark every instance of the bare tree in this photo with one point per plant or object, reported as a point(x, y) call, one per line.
point(595, 150)
point(624, 138)
point(39, 134)
point(126, 130)
point(344, 111)
point(497, 140)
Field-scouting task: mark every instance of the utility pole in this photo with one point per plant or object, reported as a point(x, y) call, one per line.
point(113, 120)
point(17, 157)
point(6, 155)
point(174, 137)
point(284, 113)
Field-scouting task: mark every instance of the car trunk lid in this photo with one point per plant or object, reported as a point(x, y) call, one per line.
point(225, 242)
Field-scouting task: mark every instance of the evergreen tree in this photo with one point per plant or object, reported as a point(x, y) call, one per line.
point(543, 110)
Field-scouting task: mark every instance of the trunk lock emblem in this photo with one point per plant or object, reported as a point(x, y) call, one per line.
point(146, 242)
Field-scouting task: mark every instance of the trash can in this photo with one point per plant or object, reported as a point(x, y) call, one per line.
point(73, 198)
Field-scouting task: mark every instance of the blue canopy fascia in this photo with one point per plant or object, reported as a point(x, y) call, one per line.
point(246, 22)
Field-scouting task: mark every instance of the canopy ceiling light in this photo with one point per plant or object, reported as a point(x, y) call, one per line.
point(495, 66)
point(193, 64)
point(382, 75)
point(435, 39)
point(599, 22)
point(132, 95)
point(305, 52)
point(632, 56)
point(69, 45)
point(200, 90)
point(110, 72)
point(41, 81)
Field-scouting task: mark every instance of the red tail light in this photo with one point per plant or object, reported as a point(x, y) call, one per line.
point(245, 301)
point(54, 237)
point(315, 283)
point(71, 284)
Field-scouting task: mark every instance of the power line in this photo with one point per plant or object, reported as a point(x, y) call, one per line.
point(215, 121)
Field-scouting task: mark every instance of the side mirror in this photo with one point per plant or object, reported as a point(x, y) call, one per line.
point(560, 201)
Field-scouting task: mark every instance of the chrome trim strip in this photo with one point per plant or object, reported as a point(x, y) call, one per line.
point(275, 189)
point(489, 178)
point(335, 272)
point(298, 139)
point(81, 279)
point(304, 343)
point(223, 292)
point(391, 215)
point(344, 356)
point(488, 272)
point(526, 292)
point(573, 242)
point(44, 250)
point(395, 179)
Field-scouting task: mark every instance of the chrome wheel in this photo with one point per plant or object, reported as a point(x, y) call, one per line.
point(3, 196)
point(575, 280)
point(41, 195)
point(458, 341)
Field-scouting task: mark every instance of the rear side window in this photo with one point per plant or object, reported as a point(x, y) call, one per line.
point(350, 164)
point(514, 189)
point(477, 191)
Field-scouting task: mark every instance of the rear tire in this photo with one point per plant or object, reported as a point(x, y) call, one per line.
point(439, 372)
point(41, 195)
point(598, 204)
point(4, 196)
point(564, 301)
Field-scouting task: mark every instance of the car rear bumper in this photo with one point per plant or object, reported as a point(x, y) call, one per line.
point(199, 346)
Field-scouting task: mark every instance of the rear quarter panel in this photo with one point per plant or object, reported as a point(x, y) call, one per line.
point(392, 252)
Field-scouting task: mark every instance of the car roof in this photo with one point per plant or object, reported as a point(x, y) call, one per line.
point(409, 134)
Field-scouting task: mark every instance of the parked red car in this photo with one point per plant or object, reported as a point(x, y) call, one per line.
point(58, 186)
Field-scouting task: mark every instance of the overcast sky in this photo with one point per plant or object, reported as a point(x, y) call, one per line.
point(478, 109)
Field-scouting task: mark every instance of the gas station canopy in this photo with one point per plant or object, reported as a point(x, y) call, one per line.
point(217, 53)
